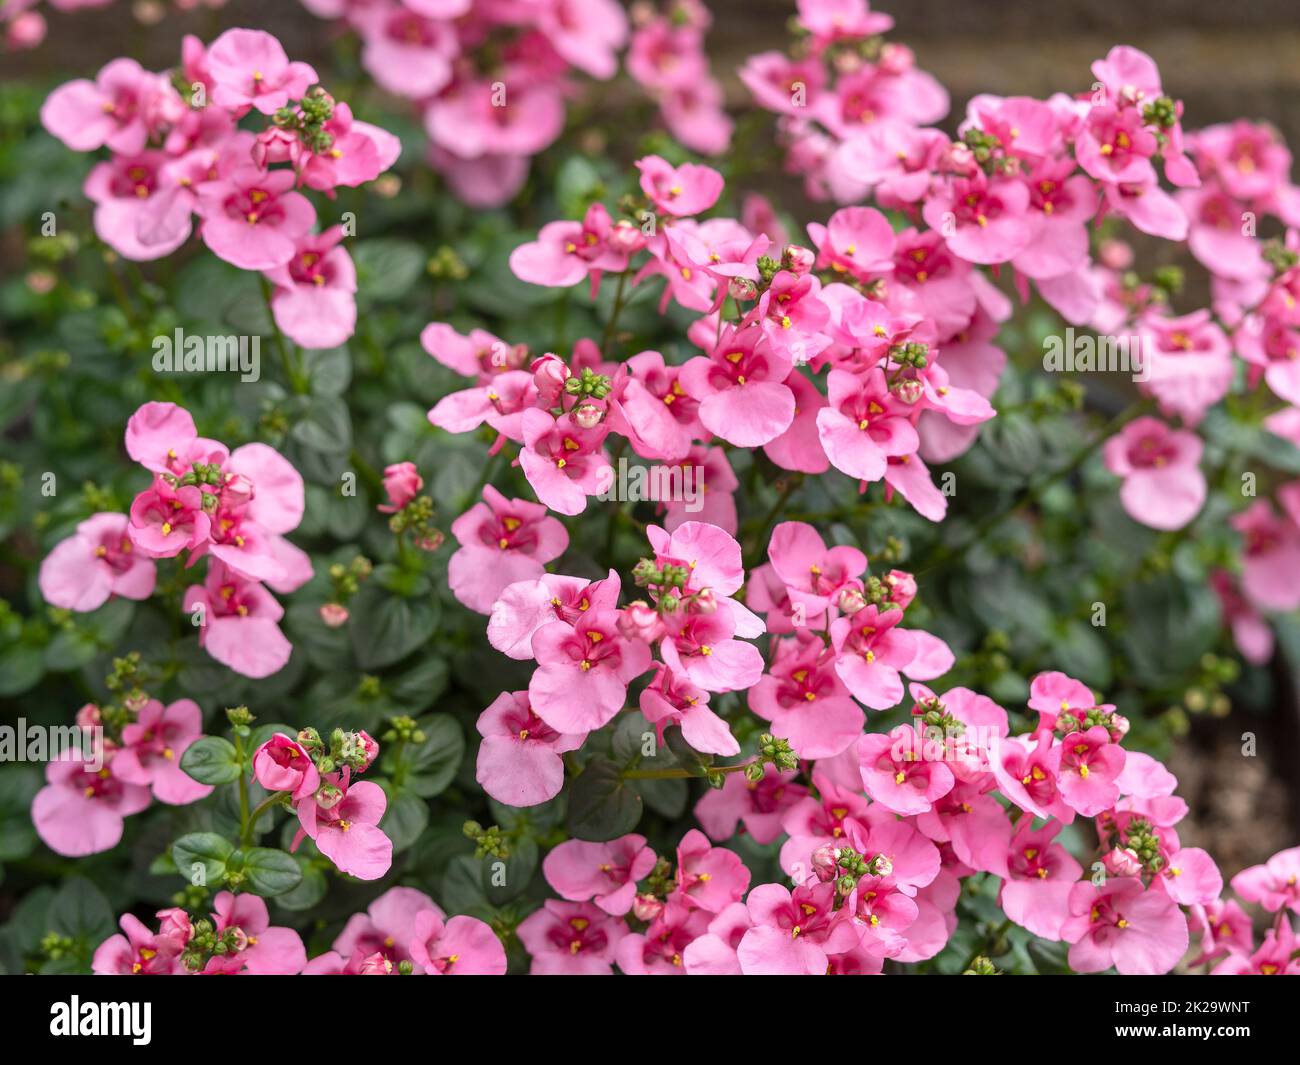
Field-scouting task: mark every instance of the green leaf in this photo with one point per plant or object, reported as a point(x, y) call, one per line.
point(80, 912)
point(387, 268)
point(202, 849)
point(406, 817)
point(309, 890)
point(508, 879)
point(271, 872)
point(329, 371)
point(602, 806)
point(432, 765)
point(385, 628)
point(325, 425)
point(211, 760)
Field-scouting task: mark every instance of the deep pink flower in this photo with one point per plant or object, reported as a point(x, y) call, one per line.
point(804, 698)
point(152, 747)
point(314, 302)
point(520, 760)
point(346, 831)
point(253, 219)
point(571, 939)
point(757, 808)
point(94, 564)
point(870, 651)
point(1139, 931)
point(388, 927)
point(81, 808)
point(792, 932)
point(606, 873)
point(502, 541)
point(864, 424)
point(563, 461)
point(459, 946)
point(708, 877)
point(282, 764)
point(1275, 884)
point(583, 671)
point(1038, 877)
point(249, 69)
point(265, 950)
point(240, 622)
point(138, 952)
point(673, 700)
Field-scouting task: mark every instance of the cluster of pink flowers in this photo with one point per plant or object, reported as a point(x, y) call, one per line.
point(337, 813)
point(402, 932)
point(491, 79)
point(85, 801)
point(234, 506)
point(876, 876)
point(666, 58)
point(891, 396)
point(179, 153)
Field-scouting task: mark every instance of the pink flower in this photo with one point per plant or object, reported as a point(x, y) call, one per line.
point(460, 946)
point(984, 220)
point(583, 671)
point(135, 213)
point(743, 805)
point(520, 760)
point(741, 389)
point(855, 240)
point(473, 119)
point(1270, 560)
point(404, 52)
point(253, 219)
point(673, 700)
point(708, 877)
point(249, 69)
point(586, 33)
point(661, 949)
point(896, 774)
point(714, 953)
point(571, 939)
point(282, 764)
point(1190, 877)
point(1275, 957)
point(264, 950)
point(604, 872)
point(525, 606)
point(864, 425)
point(689, 189)
point(1188, 363)
point(81, 808)
point(792, 932)
point(503, 541)
point(152, 747)
point(346, 831)
point(564, 253)
point(804, 698)
point(97, 562)
point(314, 300)
point(870, 650)
point(402, 483)
point(1224, 929)
point(1038, 878)
point(563, 461)
point(1275, 884)
point(1139, 931)
point(240, 622)
point(137, 953)
point(117, 110)
point(1089, 766)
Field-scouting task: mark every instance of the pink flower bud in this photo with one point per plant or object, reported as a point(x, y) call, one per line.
point(371, 748)
point(1122, 861)
point(825, 862)
point(640, 621)
point(89, 717)
point(705, 602)
point(646, 907)
point(432, 542)
point(742, 289)
point(882, 865)
point(402, 483)
point(376, 965)
point(238, 490)
point(909, 390)
point(238, 938)
point(798, 259)
point(549, 374)
point(25, 31)
point(175, 925)
point(850, 600)
point(275, 145)
point(334, 614)
point(896, 59)
point(1119, 726)
point(902, 587)
point(328, 796)
point(588, 415)
point(1115, 254)
point(625, 237)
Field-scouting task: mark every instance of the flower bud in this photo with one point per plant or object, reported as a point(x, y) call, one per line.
point(89, 717)
point(626, 237)
point(909, 390)
point(1121, 861)
point(1115, 254)
point(402, 482)
point(706, 602)
point(742, 289)
point(588, 415)
point(238, 490)
point(549, 374)
point(328, 796)
point(798, 259)
point(896, 59)
point(1119, 726)
point(850, 600)
point(432, 542)
point(333, 614)
point(369, 748)
point(646, 907)
point(825, 862)
point(376, 965)
point(902, 587)
point(640, 621)
point(881, 865)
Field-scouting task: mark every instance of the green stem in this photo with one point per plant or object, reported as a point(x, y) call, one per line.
point(792, 482)
point(608, 335)
point(296, 380)
point(244, 824)
point(675, 774)
point(246, 834)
